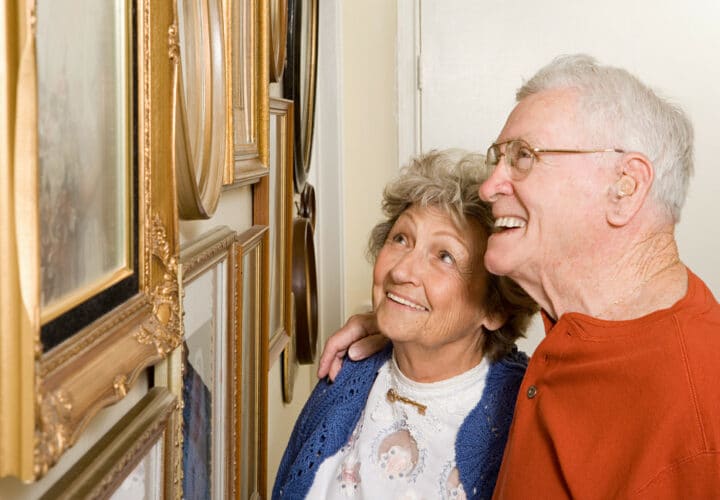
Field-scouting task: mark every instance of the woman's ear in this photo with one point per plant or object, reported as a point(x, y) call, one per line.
point(627, 195)
point(493, 322)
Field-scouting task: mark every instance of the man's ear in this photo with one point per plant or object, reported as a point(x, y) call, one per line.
point(627, 195)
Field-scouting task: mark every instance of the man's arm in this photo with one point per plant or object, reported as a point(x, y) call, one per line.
point(359, 338)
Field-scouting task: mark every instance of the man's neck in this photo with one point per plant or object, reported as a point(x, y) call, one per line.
point(627, 279)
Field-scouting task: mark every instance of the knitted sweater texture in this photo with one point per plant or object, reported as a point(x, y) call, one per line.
point(333, 410)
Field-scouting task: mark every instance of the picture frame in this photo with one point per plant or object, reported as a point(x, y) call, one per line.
point(201, 372)
point(252, 369)
point(127, 462)
point(201, 129)
point(249, 54)
point(299, 80)
point(278, 38)
point(279, 219)
point(48, 396)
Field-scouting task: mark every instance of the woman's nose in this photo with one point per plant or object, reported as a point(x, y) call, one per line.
point(407, 268)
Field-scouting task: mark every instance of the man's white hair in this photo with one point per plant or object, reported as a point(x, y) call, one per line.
point(619, 111)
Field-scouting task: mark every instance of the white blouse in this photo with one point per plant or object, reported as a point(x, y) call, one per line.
point(399, 449)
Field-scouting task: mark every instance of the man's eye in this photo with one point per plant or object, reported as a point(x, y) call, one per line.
point(525, 153)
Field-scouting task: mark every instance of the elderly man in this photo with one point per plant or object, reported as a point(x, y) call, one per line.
point(621, 398)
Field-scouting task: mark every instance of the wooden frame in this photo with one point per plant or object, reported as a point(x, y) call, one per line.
point(280, 213)
point(300, 78)
point(201, 126)
point(48, 398)
point(249, 52)
point(252, 370)
point(202, 372)
point(132, 444)
point(278, 38)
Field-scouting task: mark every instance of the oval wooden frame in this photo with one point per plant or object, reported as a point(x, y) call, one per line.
point(304, 285)
point(200, 160)
point(302, 70)
point(278, 38)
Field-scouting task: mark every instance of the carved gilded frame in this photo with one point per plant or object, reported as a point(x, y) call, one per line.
point(279, 185)
point(48, 398)
point(207, 261)
point(249, 52)
point(252, 367)
point(138, 436)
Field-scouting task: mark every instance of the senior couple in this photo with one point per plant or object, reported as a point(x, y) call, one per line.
point(578, 205)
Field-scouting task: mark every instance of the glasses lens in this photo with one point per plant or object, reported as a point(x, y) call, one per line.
point(520, 157)
point(492, 157)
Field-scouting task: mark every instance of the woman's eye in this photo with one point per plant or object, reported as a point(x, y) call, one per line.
point(447, 257)
point(399, 238)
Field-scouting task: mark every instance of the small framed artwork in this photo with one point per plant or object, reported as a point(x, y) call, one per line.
point(251, 411)
point(89, 238)
point(207, 358)
point(280, 210)
point(250, 91)
point(127, 462)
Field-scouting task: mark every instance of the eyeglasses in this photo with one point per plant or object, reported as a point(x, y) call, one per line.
point(520, 156)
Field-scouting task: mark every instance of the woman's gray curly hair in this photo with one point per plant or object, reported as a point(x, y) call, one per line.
point(449, 180)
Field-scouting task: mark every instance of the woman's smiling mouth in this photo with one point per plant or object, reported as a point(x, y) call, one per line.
point(405, 302)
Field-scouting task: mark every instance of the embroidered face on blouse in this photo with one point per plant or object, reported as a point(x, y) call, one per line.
point(429, 280)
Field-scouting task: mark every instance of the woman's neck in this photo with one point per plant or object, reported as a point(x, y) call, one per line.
point(433, 364)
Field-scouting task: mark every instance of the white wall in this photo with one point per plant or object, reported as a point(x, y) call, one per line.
point(476, 54)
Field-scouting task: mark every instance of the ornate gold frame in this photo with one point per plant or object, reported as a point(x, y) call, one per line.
point(249, 81)
point(47, 399)
point(251, 244)
point(106, 465)
point(196, 258)
point(280, 197)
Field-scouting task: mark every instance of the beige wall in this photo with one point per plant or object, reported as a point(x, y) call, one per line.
point(355, 135)
point(369, 131)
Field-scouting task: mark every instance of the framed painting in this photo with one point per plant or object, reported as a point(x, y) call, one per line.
point(202, 128)
point(252, 368)
point(89, 224)
point(299, 80)
point(201, 372)
point(280, 212)
point(250, 92)
point(127, 462)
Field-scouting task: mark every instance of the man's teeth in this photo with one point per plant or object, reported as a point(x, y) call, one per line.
point(509, 222)
point(400, 300)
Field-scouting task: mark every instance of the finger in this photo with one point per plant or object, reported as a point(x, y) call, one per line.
point(335, 368)
point(367, 346)
point(356, 328)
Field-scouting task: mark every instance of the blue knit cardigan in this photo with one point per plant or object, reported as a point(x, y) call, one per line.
point(333, 410)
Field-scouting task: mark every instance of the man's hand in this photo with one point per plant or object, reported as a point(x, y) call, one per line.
point(359, 338)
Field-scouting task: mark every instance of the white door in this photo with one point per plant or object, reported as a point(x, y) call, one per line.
point(474, 54)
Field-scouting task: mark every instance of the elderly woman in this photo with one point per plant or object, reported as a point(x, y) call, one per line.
point(429, 415)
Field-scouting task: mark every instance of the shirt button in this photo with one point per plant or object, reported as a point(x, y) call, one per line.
point(531, 392)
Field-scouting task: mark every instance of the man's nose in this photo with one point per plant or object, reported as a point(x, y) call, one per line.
point(499, 183)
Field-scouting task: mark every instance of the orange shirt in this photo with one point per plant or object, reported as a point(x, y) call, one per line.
point(621, 409)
